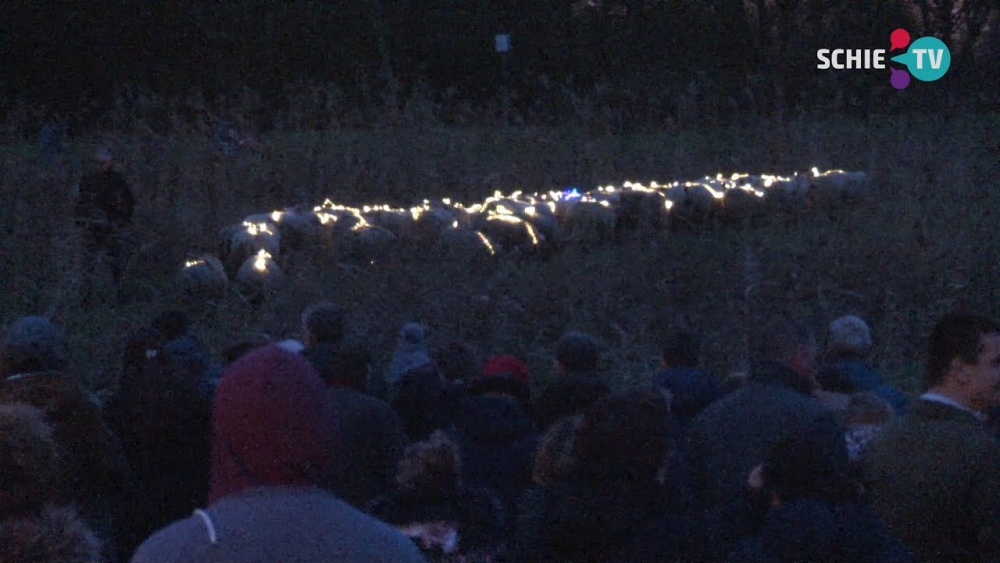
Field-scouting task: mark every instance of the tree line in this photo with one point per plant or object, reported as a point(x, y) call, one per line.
point(637, 60)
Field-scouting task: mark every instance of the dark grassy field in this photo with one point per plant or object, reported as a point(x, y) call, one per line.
point(921, 245)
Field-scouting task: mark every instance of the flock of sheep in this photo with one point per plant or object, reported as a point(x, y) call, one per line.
point(517, 223)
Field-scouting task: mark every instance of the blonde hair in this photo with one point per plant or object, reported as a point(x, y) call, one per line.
point(431, 465)
point(554, 456)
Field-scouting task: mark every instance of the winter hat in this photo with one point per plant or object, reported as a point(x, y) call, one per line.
point(272, 425)
point(507, 365)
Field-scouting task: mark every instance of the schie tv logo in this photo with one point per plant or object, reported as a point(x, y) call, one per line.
point(927, 59)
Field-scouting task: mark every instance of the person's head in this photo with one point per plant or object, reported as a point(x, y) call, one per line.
point(32, 344)
point(322, 323)
point(849, 337)
point(792, 344)
point(458, 361)
point(506, 375)
point(681, 349)
point(272, 425)
point(963, 360)
point(624, 435)
point(172, 324)
point(412, 335)
point(432, 466)
point(350, 364)
point(577, 352)
point(27, 461)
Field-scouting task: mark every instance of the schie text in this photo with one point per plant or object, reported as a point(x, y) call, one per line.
point(850, 58)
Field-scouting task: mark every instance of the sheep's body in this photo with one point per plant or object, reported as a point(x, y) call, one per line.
point(240, 242)
point(259, 275)
point(204, 276)
point(519, 222)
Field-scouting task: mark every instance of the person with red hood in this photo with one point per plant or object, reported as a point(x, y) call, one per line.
point(273, 432)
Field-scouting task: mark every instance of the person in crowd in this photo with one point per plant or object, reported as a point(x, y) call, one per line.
point(594, 508)
point(865, 417)
point(734, 433)
point(459, 362)
point(577, 384)
point(371, 431)
point(36, 524)
point(162, 415)
point(933, 474)
point(93, 473)
point(802, 503)
point(847, 369)
point(691, 388)
point(424, 402)
point(431, 504)
point(411, 353)
point(180, 342)
point(104, 207)
point(495, 433)
point(275, 432)
point(323, 327)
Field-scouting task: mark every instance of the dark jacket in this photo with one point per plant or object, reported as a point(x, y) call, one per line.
point(580, 520)
point(372, 444)
point(811, 530)
point(567, 395)
point(734, 434)
point(105, 200)
point(424, 403)
point(692, 389)
point(477, 514)
point(848, 375)
point(189, 354)
point(933, 478)
point(497, 440)
point(162, 414)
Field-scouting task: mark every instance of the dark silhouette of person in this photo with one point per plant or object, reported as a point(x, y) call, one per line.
point(104, 206)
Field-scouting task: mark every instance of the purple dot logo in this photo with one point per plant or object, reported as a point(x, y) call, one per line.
point(900, 78)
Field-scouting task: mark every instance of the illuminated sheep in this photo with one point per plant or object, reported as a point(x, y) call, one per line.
point(788, 196)
point(742, 202)
point(838, 187)
point(466, 245)
point(589, 221)
point(430, 220)
point(299, 229)
point(513, 234)
point(366, 242)
point(204, 276)
point(240, 242)
point(396, 220)
point(641, 210)
point(522, 223)
point(334, 221)
point(692, 202)
point(259, 275)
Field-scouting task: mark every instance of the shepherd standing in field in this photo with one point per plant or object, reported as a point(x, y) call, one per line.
point(104, 207)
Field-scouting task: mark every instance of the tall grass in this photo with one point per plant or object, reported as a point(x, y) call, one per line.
point(921, 245)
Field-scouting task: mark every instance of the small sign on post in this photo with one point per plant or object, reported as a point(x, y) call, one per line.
point(502, 43)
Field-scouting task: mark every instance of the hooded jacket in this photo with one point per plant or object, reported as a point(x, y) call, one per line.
point(275, 432)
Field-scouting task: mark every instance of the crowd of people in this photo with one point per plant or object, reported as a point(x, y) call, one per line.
point(298, 450)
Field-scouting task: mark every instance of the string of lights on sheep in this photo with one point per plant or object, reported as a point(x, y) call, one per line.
point(517, 223)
